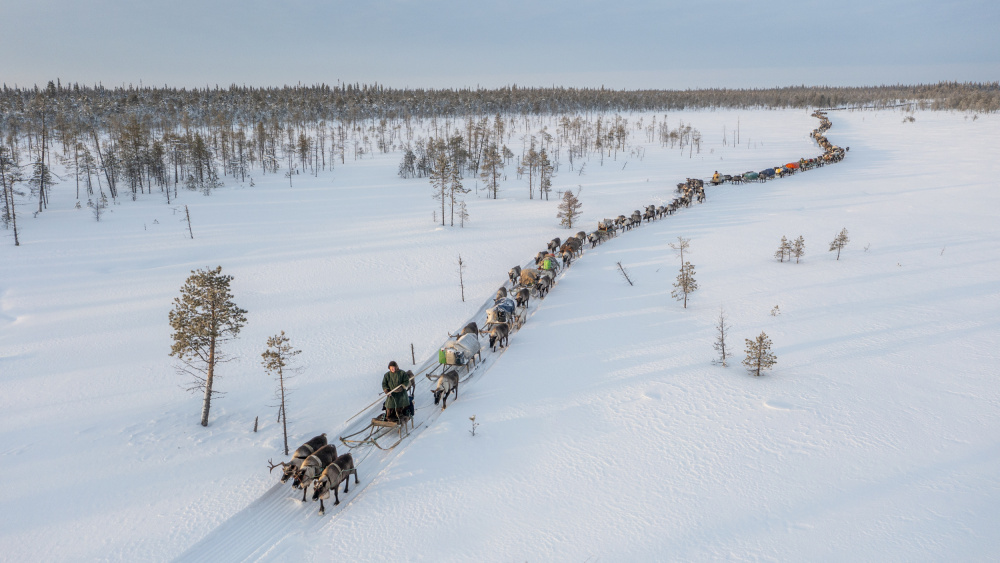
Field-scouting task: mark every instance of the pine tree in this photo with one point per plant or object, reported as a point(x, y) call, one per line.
point(276, 360)
point(440, 174)
point(685, 283)
point(785, 250)
point(204, 316)
point(407, 168)
point(544, 175)
point(10, 174)
point(799, 248)
point(455, 188)
point(759, 356)
point(529, 164)
point(569, 209)
point(490, 168)
point(40, 181)
point(840, 242)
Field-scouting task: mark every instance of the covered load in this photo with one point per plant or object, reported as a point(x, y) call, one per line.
point(459, 352)
point(529, 276)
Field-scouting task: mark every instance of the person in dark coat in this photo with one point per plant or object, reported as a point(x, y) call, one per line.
point(394, 384)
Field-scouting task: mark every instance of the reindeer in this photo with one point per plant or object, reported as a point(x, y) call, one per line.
point(544, 284)
point(499, 334)
point(303, 451)
point(514, 274)
point(501, 295)
point(522, 297)
point(470, 328)
point(313, 466)
point(337, 472)
point(554, 244)
point(446, 383)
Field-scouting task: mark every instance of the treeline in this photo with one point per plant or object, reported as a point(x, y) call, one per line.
point(168, 108)
point(124, 142)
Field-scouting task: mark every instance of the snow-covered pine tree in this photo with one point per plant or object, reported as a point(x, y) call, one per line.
point(204, 316)
point(569, 209)
point(407, 168)
point(463, 214)
point(685, 283)
point(276, 360)
point(759, 356)
point(799, 248)
point(840, 242)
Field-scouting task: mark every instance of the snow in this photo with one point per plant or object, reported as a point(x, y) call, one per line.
point(605, 431)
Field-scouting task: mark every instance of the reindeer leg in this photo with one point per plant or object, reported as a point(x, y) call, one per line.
point(322, 509)
point(355, 471)
point(335, 497)
point(347, 482)
point(304, 487)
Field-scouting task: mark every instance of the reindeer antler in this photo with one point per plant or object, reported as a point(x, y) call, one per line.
point(272, 465)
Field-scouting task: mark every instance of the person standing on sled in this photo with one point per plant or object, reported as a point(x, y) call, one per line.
point(394, 384)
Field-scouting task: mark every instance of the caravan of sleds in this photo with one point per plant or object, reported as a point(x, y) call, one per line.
point(316, 462)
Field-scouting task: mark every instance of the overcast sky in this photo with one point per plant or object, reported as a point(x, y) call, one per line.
point(450, 43)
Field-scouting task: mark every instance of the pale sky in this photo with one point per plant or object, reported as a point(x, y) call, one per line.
point(447, 43)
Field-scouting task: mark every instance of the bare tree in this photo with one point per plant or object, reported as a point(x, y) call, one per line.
point(759, 356)
point(461, 274)
point(721, 331)
point(276, 360)
point(840, 242)
point(680, 246)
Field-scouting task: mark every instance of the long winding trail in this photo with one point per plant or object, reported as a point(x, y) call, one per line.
point(279, 522)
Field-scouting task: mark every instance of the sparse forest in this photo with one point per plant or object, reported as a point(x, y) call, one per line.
point(114, 144)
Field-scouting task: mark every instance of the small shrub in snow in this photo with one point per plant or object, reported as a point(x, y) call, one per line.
point(759, 356)
point(840, 242)
point(784, 250)
point(798, 248)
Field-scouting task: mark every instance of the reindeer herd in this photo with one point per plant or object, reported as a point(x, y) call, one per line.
point(316, 462)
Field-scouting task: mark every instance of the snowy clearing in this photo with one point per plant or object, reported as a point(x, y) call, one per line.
point(605, 431)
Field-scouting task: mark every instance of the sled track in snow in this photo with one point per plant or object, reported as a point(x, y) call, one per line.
point(273, 527)
point(279, 519)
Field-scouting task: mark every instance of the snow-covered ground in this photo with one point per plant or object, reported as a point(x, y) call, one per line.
point(605, 431)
